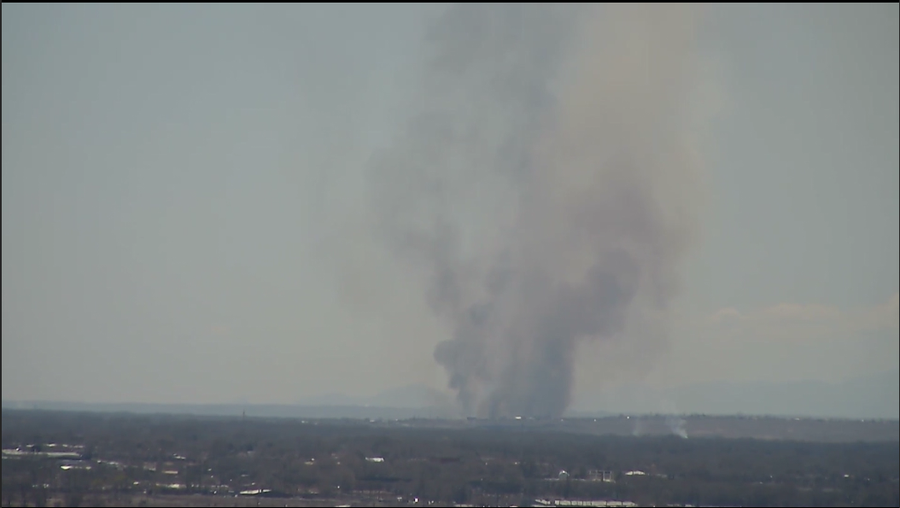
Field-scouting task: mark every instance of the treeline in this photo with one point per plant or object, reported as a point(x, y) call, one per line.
point(495, 466)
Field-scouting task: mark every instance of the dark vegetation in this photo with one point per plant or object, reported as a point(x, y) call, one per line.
point(78, 459)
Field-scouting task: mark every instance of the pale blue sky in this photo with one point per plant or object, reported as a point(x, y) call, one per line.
point(182, 187)
point(806, 159)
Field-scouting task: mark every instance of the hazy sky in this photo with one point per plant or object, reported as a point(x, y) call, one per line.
point(182, 203)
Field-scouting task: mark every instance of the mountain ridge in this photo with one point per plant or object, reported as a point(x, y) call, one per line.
point(876, 396)
point(872, 396)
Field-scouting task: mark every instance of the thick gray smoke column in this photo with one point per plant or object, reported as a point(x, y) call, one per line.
point(545, 188)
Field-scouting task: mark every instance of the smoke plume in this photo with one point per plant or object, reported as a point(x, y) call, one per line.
point(545, 188)
point(676, 425)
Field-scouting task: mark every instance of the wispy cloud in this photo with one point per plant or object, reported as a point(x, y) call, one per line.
point(794, 321)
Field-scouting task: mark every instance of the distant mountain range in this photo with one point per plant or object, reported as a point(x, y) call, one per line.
point(411, 396)
point(233, 410)
point(395, 404)
point(876, 396)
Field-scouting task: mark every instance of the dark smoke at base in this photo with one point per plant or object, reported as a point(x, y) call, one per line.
point(545, 188)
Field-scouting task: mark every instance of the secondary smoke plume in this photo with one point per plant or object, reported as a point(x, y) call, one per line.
point(545, 188)
point(676, 426)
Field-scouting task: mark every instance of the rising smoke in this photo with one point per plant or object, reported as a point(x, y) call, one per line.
point(676, 425)
point(545, 187)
